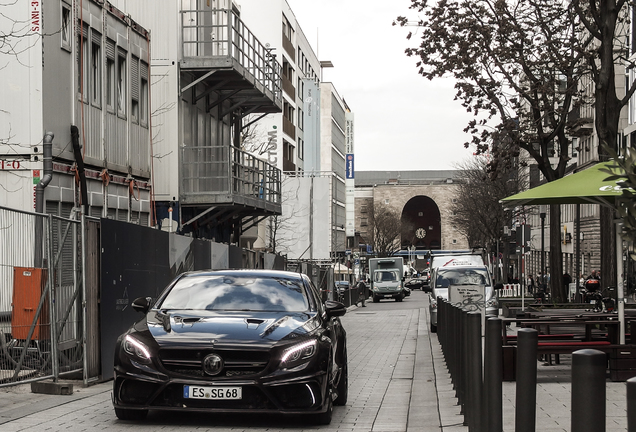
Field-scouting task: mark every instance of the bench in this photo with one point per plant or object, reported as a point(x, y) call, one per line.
point(566, 347)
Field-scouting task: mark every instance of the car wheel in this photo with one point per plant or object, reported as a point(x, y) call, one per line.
point(399, 298)
point(325, 417)
point(433, 328)
point(376, 299)
point(125, 414)
point(343, 384)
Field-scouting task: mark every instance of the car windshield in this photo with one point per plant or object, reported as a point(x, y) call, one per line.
point(385, 276)
point(462, 276)
point(222, 292)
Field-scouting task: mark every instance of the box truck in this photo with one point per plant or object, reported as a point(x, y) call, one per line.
point(387, 278)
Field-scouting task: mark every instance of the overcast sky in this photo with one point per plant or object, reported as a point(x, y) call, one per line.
point(403, 121)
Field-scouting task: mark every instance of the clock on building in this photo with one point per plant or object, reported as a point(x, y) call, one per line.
point(420, 233)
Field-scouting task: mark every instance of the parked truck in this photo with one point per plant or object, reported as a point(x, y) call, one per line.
point(387, 278)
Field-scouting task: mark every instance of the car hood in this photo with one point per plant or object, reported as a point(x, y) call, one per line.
point(195, 327)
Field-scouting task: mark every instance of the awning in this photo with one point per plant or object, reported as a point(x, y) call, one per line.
point(584, 187)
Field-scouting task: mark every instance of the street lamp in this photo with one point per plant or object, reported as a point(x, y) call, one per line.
point(542, 211)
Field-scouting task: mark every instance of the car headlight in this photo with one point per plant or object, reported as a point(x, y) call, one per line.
point(298, 352)
point(136, 349)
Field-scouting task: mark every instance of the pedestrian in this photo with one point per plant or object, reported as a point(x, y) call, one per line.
point(363, 292)
point(530, 284)
point(567, 280)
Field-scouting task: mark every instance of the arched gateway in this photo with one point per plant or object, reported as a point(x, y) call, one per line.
point(421, 224)
point(422, 198)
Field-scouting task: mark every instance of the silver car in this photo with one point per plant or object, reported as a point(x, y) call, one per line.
point(444, 277)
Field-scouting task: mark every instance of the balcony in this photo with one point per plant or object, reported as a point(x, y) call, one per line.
point(216, 175)
point(288, 87)
point(223, 54)
point(580, 121)
point(288, 46)
point(289, 128)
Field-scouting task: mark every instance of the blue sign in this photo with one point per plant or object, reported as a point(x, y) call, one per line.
point(349, 166)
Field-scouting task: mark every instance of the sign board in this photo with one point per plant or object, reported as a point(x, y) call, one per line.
point(470, 298)
point(349, 167)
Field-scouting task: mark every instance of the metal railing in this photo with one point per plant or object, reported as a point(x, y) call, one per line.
point(219, 32)
point(215, 171)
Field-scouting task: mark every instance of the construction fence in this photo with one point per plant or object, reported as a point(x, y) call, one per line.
point(42, 290)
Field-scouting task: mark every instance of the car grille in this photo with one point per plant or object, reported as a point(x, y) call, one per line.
point(237, 363)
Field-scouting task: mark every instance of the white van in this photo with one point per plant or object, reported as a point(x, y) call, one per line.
point(452, 273)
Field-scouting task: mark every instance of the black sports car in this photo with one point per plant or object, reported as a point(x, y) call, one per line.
point(234, 341)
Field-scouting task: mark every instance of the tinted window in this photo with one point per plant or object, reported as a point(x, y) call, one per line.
point(224, 292)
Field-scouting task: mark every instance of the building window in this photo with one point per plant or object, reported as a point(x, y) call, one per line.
point(386, 201)
point(288, 150)
point(83, 62)
point(301, 124)
point(364, 221)
point(454, 241)
point(363, 209)
point(96, 69)
point(143, 97)
point(288, 30)
point(301, 149)
point(121, 83)
point(110, 75)
point(134, 89)
point(65, 30)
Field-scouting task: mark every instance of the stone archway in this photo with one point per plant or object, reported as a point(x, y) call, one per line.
point(421, 224)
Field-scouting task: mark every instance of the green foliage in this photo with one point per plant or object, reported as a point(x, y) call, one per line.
point(623, 171)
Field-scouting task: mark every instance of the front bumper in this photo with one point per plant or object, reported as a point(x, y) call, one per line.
point(293, 395)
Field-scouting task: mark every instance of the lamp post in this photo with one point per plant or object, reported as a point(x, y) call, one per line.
point(542, 211)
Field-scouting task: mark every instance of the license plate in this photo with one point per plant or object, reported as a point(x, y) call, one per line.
point(216, 393)
point(388, 295)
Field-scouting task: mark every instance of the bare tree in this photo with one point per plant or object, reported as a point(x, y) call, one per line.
point(608, 23)
point(253, 139)
point(477, 212)
point(387, 228)
point(282, 231)
point(517, 65)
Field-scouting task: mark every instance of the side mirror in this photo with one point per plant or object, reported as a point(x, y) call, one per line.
point(142, 304)
point(334, 308)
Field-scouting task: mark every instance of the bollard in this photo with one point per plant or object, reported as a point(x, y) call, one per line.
point(461, 361)
point(474, 383)
point(493, 376)
point(526, 386)
point(588, 391)
point(631, 403)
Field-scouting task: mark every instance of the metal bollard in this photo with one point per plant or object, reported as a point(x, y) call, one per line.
point(526, 386)
point(588, 391)
point(461, 361)
point(631, 403)
point(474, 383)
point(493, 376)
